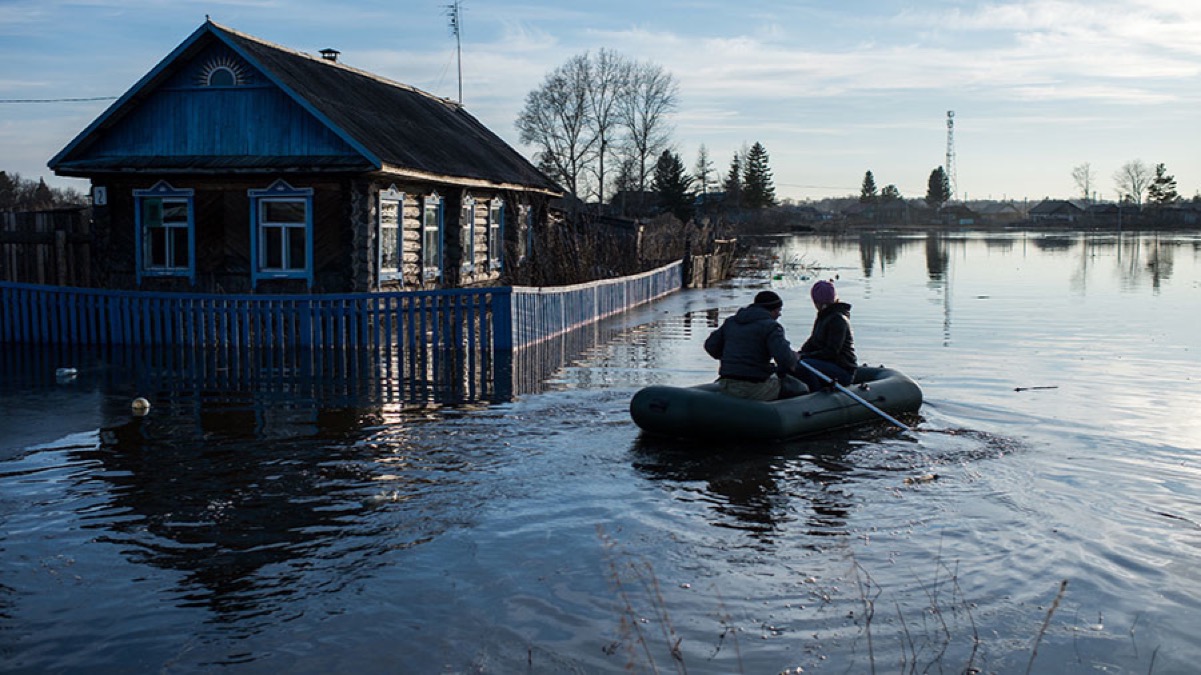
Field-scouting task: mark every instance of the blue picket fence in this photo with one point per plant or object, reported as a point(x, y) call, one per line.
point(461, 319)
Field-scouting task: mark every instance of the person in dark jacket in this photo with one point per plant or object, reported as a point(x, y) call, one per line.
point(747, 344)
point(831, 346)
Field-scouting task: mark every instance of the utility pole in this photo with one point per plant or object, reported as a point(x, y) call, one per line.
point(454, 11)
point(951, 151)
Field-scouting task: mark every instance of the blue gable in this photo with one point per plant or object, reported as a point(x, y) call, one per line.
point(209, 108)
point(223, 101)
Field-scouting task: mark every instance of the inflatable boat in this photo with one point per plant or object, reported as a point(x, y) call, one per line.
point(704, 412)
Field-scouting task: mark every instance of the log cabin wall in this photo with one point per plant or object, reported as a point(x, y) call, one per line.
point(222, 223)
point(229, 121)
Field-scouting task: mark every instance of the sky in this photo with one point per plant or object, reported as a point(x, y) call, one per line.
point(832, 89)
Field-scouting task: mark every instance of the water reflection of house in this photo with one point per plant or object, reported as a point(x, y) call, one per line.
point(237, 165)
point(1050, 211)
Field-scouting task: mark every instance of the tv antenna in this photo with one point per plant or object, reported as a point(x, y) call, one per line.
point(455, 12)
point(951, 151)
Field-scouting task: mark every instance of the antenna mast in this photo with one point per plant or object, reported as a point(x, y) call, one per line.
point(951, 151)
point(454, 11)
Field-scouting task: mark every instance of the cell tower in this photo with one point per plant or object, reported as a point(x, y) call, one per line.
point(455, 13)
point(951, 151)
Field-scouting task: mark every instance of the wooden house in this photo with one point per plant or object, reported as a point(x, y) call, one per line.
point(1000, 213)
point(1055, 211)
point(238, 165)
point(957, 215)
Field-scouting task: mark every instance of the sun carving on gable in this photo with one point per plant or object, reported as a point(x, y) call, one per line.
point(223, 71)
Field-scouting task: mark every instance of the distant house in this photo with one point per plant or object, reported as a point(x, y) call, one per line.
point(1051, 211)
point(811, 214)
point(893, 211)
point(1189, 213)
point(957, 215)
point(240, 165)
point(1000, 213)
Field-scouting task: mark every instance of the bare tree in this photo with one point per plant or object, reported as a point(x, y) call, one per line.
point(597, 108)
point(1083, 175)
point(610, 78)
point(1132, 180)
point(649, 99)
point(703, 169)
point(555, 120)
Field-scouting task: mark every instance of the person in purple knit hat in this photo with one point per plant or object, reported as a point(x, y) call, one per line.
point(831, 346)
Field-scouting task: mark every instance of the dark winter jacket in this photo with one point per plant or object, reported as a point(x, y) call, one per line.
point(832, 339)
point(747, 342)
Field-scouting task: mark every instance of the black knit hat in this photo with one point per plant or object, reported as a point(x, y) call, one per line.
point(768, 300)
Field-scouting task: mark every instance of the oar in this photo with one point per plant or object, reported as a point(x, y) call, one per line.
point(828, 380)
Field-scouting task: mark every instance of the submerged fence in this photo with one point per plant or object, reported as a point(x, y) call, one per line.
point(423, 347)
point(471, 320)
point(540, 314)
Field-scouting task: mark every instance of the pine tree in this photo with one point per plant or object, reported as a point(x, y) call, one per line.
point(672, 183)
point(867, 194)
point(8, 192)
point(43, 198)
point(758, 191)
point(1162, 190)
point(890, 193)
point(938, 190)
point(733, 185)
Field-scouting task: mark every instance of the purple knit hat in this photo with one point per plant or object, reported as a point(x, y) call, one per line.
point(823, 293)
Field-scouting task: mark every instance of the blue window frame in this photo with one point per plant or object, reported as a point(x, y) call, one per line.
point(431, 238)
point(391, 234)
point(281, 241)
point(496, 233)
point(165, 232)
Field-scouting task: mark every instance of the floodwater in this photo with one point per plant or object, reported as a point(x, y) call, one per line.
point(1046, 517)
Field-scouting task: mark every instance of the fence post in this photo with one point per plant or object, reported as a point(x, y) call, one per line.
point(502, 318)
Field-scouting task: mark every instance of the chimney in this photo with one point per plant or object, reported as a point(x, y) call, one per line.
point(330, 54)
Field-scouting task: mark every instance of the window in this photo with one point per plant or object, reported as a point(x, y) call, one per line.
point(222, 77)
point(431, 238)
point(528, 221)
point(223, 69)
point(496, 231)
point(282, 243)
point(164, 231)
point(391, 234)
point(467, 235)
point(282, 225)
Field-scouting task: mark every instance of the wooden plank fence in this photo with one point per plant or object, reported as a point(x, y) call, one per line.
point(46, 247)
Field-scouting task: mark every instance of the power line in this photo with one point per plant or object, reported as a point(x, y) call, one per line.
point(57, 100)
point(816, 187)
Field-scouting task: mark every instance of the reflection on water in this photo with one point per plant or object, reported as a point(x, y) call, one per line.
point(303, 378)
point(757, 493)
point(1136, 257)
point(338, 512)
